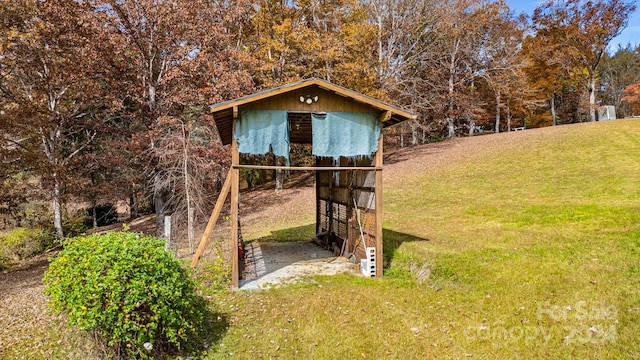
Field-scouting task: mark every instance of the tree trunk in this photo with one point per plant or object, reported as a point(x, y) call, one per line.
point(187, 190)
point(158, 204)
point(133, 203)
point(497, 112)
point(152, 97)
point(414, 133)
point(452, 69)
point(553, 109)
point(508, 117)
point(57, 208)
point(94, 206)
point(191, 227)
point(592, 97)
point(451, 128)
point(380, 45)
point(472, 125)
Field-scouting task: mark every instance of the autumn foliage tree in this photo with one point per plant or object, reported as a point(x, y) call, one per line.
point(174, 55)
point(109, 96)
point(632, 96)
point(577, 32)
point(51, 89)
point(618, 71)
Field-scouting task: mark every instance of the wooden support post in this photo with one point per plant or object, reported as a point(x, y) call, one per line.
point(318, 210)
point(378, 195)
point(350, 209)
point(213, 219)
point(235, 175)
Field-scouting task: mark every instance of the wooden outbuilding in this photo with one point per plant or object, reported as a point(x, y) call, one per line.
point(344, 130)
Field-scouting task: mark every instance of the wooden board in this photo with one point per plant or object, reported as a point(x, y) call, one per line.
point(213, 219)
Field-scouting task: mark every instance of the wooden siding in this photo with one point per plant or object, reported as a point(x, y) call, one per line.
point(327, 102)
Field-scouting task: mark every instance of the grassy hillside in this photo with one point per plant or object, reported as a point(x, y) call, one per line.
point(529, 223)
point(519, 245)
point(527, 245)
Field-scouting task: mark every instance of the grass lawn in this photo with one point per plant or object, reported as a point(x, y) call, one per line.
point(528, 247)
point(510, 246)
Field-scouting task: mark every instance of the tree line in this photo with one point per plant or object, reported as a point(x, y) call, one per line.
point(109, 96)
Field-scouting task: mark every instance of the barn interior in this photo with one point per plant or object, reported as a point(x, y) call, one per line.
point(344, 129)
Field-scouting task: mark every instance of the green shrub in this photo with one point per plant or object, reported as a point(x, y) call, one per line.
point(5, 260)
point(251, 176)
point(22, 243)
point(124, 288)
point(213, 276)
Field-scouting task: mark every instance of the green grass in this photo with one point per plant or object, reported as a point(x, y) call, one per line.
point(528, 248)
point(555, 221)
point(513, 237)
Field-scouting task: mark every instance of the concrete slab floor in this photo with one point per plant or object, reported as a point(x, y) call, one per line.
point(274, 263)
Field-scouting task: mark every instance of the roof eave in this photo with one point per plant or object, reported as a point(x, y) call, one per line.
point(304, 83)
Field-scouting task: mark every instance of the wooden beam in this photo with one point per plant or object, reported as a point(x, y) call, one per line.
point(386, 115)
point(213, 219)
point(235, 268)
point(235, 112)
point(235, 175)
point(378, 195)
point(309, 168)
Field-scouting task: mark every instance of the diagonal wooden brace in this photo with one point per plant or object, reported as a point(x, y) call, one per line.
point(215, 214)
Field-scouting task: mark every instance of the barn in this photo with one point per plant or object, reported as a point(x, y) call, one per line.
point(343, 128)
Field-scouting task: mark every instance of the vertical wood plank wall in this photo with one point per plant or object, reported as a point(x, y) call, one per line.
point(327, 101)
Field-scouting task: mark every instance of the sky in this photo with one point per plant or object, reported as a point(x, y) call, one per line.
point(631, 34)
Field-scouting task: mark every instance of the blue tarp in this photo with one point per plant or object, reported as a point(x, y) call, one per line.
point(258, 131)
point(345, 134)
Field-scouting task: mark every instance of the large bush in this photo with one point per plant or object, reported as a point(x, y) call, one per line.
point(127, 290)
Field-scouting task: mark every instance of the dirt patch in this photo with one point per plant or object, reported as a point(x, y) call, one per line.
point(27, 275)
point(27, 326)
point(273, 263)
point(144, 224)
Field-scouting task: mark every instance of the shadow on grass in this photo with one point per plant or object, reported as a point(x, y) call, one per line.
point(210, 327)
point(298, 233)
point(216, 326)
point(392, 240)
